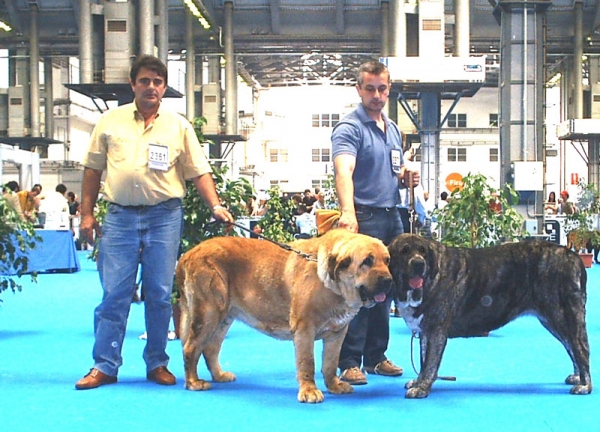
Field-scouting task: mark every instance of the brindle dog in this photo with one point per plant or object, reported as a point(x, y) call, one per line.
point(447, 292)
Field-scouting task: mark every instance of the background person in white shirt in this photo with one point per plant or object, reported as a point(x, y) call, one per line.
point(55, 202)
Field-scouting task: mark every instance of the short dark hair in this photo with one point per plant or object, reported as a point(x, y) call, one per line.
point(372, 67)
point(61, 188)
point(13, 186)
point(151, 63)
point(444, 195)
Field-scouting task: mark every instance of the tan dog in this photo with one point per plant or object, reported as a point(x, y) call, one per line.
point(282, 294)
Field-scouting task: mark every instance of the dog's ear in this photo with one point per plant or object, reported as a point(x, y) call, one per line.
point(335, 265)
point(433, 251)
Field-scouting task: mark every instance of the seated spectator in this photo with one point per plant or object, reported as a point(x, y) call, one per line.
point(262, 207)
point(296, 201)
point(306, 224)
point(9, 193)
point(566, 206)
point(319, 203)
point(73, 204)
point(308, 199)
point(551, 206)
point(251, 206)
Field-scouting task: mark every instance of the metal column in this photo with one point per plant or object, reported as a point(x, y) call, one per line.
point(522, 86)
point(86, 68)
point(162, 9)
point(230, 73)
point(34, 72)
point(462, 26)
point(49, 99)
point(430, 139)
point(190, 74)
point(146, 19)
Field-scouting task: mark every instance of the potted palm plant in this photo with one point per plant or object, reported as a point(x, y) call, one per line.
point(580, 226)
point(478, 215)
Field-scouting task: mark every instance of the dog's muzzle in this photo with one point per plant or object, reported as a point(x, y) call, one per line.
point(378, 293)
point(417, 268)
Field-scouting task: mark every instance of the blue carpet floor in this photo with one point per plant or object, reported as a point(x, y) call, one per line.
point(509, 381)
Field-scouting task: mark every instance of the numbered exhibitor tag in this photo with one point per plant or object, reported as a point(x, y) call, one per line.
point(158, 157)
point(396, 161)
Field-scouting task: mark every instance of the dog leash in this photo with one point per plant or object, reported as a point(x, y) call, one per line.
point(287, 247)
point(414, 336)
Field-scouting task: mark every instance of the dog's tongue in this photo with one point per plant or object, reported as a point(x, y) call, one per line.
point(416, 282)
point(380, 298)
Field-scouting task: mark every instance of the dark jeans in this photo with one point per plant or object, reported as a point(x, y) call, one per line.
point(405, 216)
point(368, 333)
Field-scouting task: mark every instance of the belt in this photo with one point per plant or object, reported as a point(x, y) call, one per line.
point(142, 206)
point(374, 209)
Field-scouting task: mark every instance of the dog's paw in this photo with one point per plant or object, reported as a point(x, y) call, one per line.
point(573, 379)
point(198, 385)
point(581, 389)
point(410, 384)
point(224, 377)
point(416, 393)
point(310, 396)
point(340, 387)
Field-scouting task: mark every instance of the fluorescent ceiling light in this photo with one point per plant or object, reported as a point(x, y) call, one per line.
point(5, 26)
point(196, 12)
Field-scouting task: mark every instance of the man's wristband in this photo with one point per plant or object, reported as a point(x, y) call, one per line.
point(218, 207)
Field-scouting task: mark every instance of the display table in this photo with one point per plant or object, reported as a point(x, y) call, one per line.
point(56, 252)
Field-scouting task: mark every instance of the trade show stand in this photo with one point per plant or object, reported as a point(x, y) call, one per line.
point(55, 253)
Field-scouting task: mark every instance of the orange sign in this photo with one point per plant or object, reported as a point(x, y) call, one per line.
point(574, 178)
point(454, 181)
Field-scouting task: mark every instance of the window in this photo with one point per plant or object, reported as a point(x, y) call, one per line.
point(493, 120)
point(315, 120)
point(318, 184)
point(457, 154)
point(417, 157)
point(493, 155)
point(457, 120)
point(281, 183)
point(325, 120)
point(278, 155)
point(321, 155)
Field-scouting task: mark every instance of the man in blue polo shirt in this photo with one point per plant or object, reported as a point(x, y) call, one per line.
point(369, 169)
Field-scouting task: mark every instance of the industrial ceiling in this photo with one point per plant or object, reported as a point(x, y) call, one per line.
point(294, 42)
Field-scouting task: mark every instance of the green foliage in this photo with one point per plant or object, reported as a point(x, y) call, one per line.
point(196, 214)
point(581, 223)
point(100, 213)
point(331, 198)
point(470, 221)
point(277, 224)
point(17, 237)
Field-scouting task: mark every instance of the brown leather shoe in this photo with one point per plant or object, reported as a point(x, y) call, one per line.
point(386, 368)
point(353, 376)
point(162, 376)
point(94, 379)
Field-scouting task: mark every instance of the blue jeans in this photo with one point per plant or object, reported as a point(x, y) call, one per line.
point(146, 235)
point(368, 333)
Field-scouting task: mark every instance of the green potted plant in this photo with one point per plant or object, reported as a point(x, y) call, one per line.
point(17, 237)
point(580, 225)
point(277, 222)
point(479, 215)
